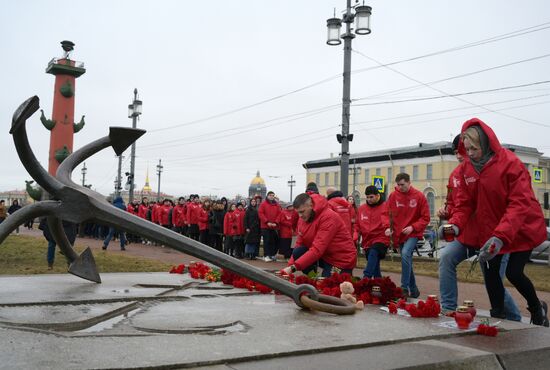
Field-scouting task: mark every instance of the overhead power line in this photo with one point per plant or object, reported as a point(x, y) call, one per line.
point(496, 38)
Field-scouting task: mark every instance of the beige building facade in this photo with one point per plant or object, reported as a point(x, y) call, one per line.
point(429, 166)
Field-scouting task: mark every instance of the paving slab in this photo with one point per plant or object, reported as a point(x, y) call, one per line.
point(152, 320)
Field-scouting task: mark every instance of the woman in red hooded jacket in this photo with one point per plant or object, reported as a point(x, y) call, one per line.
point(497, 188)
point(203, 221)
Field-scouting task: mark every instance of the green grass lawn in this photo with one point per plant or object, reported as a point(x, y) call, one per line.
point(27, 255)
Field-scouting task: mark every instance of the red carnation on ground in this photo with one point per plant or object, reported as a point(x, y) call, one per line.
point(393, 308)
point(488, 330)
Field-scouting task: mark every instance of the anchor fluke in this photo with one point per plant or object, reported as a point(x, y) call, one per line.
point(84, 266)
point(122, 137)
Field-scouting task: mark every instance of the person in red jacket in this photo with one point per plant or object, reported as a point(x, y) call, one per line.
point(464, 246)
point(353, 210)
point(340, 205)
point(269, 214)
point(193, 213)
point(288, 220)
point(203, 221)
point(497, 188)
point(165, 214)
point(230, 229)
point(370, 225)
point(143, 208)
point(409, 213)
point(322, 239)
point(155, 212)
point(238, 238)
point(178, 216)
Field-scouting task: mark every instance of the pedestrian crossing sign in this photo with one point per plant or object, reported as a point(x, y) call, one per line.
point(379, 182)
point(537, 175)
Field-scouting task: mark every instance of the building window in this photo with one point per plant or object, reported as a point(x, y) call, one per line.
point(367, 176)
point(429, 171)
point(336, 178)
point(415, 173)
point(390, 175)
point(378, 172)
point(317, 178)
point(431, 202)
point(326, 179)
point(402, 169)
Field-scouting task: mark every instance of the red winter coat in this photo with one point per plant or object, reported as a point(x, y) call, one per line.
point(193, 213)
point(143, 210)
point(288, 220)
point(164, 215)
point(408, 209)
point(342, 207)
point(269, 212)
point(155, 213)
point(178, 215)
point(325, 237)
point(130, 209)
point(502, 199)
point(233, 223)
point(203, 219)
point(467, 235)
point(371, 224)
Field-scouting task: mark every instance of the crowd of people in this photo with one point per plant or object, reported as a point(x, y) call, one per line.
point(490, 211)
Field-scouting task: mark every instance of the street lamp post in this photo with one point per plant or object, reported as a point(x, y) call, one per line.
point(362, 27)
point(159, 171)
point(84, 171)
point(118, 181)
point(291, 184)
point(134, 110)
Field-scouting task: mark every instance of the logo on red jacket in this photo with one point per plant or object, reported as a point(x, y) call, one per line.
point(364, 217)
point(397, 204)
point(470, 180)
point(413, 203)
point(456, 182)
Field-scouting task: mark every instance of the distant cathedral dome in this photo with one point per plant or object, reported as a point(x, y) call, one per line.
point(257, 187)
point(146, 187)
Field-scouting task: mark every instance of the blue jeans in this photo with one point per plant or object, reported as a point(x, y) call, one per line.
point(408, 281)
point(297, 252)
point(372, 269)
point(453, 254)
point(51, 252)
point(121, 237)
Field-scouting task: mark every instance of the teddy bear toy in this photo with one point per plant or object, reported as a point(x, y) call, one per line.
point(347, 293)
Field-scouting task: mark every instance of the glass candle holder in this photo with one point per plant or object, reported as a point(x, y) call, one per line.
point(463, 318)
point(448, 233)
point(376, 294)
point(433, 297)
point(471, 309)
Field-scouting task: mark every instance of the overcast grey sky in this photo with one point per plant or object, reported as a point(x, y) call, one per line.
point(193, 61)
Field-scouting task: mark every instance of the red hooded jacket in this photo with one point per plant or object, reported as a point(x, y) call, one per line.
point(164, 214)
point(342, 207)
point(468, 235)
point(371, 224)
point(288, 220)
point(143, 210)
point(193, 213)
point(130, 209)
point(269, 212)
point(233, 223)
point(325, 237)
point(203, 219)
point(408, 209)
point(155, 213)
point(178, 215)
point(502, 199)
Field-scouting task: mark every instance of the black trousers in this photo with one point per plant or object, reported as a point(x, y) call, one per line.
point(514, 273)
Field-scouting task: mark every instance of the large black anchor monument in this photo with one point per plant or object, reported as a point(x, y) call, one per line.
point(74, 203)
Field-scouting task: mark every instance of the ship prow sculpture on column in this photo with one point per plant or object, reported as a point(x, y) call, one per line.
point(72, 202)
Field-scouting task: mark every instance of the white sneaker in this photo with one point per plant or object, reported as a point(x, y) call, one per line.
point(267, 259)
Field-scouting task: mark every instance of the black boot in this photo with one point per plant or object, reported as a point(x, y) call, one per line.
point(499, 314)
point(539, 314)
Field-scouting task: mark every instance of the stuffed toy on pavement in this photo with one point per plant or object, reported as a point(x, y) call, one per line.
point(347, 293)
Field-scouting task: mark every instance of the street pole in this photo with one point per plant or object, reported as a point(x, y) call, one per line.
point(159, 171)
point(84, 170)
point(355, 171)
point(119, 177)
point(291, 183)
point(135, 112)
point(344, 159)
